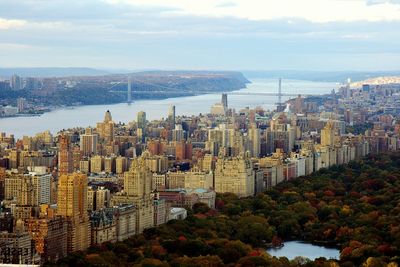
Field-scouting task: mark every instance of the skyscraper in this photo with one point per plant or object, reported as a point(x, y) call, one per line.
point(224, 100)
point(72, 204)
point(141, 120)
point(171, 116)
point(65, 163)
point(106, 128)
point(138, 186)
point(254, 136)
point(328, 134)
point(88, 142)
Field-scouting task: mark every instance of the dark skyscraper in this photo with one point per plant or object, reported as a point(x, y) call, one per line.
point(224, 100)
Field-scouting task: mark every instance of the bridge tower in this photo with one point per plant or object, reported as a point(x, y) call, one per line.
point(129, 96)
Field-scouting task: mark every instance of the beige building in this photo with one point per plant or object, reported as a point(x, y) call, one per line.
point(121, 165)
point(84, 166)
point(125, 217)
point(138, 189)
point(96, 164)
point(234, 175)
point(199, 179)
point(72, 204)
point(105, 129)
point(328, 134)
point(109, 164)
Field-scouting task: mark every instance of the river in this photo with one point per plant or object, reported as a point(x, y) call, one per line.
point(84, 116)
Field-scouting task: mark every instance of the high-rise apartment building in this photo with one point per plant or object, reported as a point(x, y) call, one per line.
point(65, 160)
point(254, 135)
point(328, 134)
point(72, 204)
point(138, 186)
point(106, 128)
point(88, 142)
point(234, 175)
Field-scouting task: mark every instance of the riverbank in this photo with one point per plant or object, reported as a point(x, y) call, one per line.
point(88, 115)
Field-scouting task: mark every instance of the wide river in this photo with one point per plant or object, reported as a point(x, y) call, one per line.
point(84, 116)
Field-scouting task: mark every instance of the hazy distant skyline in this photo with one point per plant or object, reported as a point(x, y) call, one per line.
point(182, 34)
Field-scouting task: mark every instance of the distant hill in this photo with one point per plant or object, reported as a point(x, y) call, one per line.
point(51, 72)
point(112, 88)
point(325, 76)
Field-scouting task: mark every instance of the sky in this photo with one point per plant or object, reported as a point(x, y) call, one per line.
point(326, 35)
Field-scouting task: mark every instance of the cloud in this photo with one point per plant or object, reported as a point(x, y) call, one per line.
point(229, 34)
point(6, 24)
point(318, 11)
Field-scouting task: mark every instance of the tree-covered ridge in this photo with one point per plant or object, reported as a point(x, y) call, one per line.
point(354, 207)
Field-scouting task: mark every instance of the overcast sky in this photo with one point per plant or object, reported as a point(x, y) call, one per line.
point(201, 34)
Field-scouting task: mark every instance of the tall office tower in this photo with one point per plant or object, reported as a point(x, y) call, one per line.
point(224, 100)
point(88, 142)
point(72, 204)
point(141, 120)
point(16, 82)
point(129, 97)
point(328, 134)
point(234, 175)
point(254, 136)
point(171, 116)
point(65, 162)
point(106, 128)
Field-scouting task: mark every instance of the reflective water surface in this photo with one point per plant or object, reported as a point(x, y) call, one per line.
point(155, 109)
point(293, 249)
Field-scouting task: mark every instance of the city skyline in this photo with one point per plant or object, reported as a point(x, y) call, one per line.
point(236, 35)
